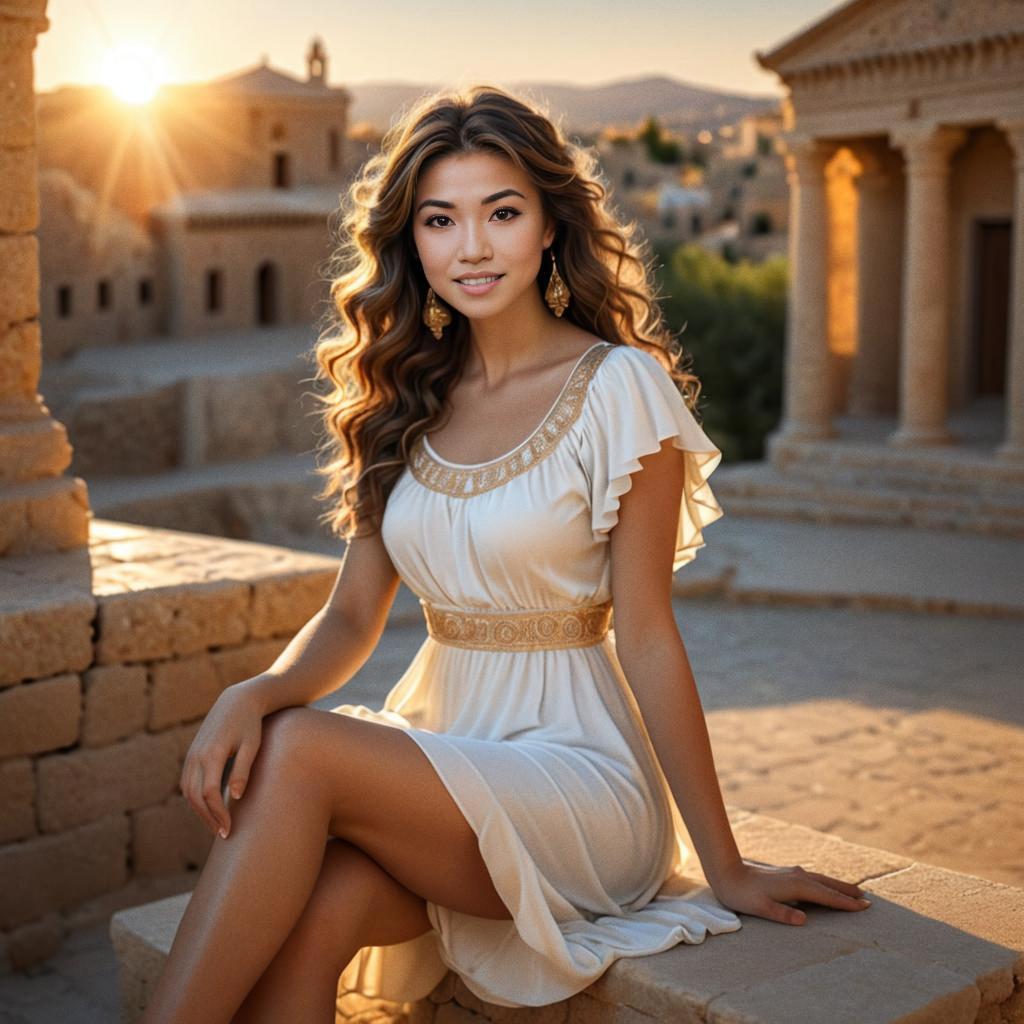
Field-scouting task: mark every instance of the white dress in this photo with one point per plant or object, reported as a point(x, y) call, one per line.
point(544, 750)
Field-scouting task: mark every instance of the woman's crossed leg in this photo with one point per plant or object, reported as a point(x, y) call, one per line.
point(281, 907)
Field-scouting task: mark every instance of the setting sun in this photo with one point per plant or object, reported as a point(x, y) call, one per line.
point(133, 73)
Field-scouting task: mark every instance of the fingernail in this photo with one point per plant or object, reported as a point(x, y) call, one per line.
point(236, 791)
point(223, 833)
point(865, 901)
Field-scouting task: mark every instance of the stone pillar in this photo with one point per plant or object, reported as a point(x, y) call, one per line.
point(924, 325)
point(807, 388)
point(1013, 444)
point(875, 375)
point(40, 509)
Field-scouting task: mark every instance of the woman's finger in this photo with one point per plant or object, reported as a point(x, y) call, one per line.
point(241, 769)
point(811, 890)
point(194, 796)
point(212, 797)
point(850, 888)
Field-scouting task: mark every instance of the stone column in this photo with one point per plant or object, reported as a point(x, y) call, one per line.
point(40, 509)
point(1013, 444)
point(875, 375)
point(807, 387)
point(924, 326)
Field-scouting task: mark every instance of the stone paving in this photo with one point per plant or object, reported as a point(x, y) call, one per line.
point(897, 729)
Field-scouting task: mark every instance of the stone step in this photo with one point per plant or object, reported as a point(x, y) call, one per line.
point(934, 946)
point(762, 490)
point(970, 465)
point(268, 499)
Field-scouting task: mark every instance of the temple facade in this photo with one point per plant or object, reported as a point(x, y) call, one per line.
point(904, 145)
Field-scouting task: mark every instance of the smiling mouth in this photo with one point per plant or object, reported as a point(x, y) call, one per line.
point(481, 279)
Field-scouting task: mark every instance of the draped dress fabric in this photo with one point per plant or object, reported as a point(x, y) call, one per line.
point(544, 750)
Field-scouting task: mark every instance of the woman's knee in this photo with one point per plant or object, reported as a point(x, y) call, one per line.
point(285, 739)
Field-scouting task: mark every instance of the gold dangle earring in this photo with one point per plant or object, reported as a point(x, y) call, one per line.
point(557, 293)
point(435, 315)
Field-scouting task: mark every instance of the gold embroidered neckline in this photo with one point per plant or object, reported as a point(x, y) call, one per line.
point(463, 481)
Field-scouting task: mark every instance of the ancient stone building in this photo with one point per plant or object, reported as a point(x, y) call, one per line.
point(904, 142)
point(203, 210)
point(903, 397)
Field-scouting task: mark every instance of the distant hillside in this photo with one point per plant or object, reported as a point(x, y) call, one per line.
point(586, 108)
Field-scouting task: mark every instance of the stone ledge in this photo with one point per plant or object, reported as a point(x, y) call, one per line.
point(935, 946)
point(149, 593)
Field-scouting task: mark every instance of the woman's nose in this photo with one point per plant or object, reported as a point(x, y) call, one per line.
point(474, 244)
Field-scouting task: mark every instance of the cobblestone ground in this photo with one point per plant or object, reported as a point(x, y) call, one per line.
point(899, 730)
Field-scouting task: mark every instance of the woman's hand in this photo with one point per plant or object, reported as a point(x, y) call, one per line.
point(233, 726)
point(763, 890)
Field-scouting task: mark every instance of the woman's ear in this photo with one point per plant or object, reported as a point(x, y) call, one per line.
point(549, 232)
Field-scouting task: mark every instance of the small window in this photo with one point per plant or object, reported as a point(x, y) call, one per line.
point(282, 171)
point(214, 291)
point(145, 291)
point(104, 298)
point(64, 301)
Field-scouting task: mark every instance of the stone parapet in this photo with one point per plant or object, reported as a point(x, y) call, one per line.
point(110, 657)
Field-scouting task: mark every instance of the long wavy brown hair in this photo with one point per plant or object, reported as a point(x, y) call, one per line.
point(387, 378)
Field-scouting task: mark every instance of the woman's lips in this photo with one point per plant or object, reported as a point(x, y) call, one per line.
point(479, 289)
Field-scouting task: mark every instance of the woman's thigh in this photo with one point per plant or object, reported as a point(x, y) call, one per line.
point(385, 797)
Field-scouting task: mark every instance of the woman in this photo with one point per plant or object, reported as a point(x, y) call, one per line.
point(513, 811)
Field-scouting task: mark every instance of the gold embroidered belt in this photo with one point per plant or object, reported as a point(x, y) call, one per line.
point(519, 630)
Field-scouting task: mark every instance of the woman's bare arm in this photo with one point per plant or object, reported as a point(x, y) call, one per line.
point(335, 643)
point(654, 659)
point(656, 666)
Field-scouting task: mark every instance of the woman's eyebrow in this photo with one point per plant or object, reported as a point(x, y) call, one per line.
point(483, 202)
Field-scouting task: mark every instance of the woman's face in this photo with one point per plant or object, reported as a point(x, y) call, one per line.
point(478, 215)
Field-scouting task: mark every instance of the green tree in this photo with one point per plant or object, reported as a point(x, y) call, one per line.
point(732, 318)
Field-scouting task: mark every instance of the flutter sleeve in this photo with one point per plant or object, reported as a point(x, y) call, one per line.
point(632, 406)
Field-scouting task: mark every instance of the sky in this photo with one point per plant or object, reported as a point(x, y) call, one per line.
point(587, 42)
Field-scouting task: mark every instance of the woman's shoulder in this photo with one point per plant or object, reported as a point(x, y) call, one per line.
point(625, 370)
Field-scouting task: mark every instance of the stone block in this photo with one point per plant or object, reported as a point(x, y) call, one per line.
point(19, 198)
point(17, 799)
point(282, 605)
point(183, 689)
point(57, 516)
point(584, 1009)
point(183, 735)
point(956, 919)
point(40, 716)
point(235, 664)
point(125, 435)
point(466, 1001)
point(20, 359)
point(184, 619)
point(45, 623)
point(116, 704)
point(33, 943)
point(87, 784)
point(168, 839)
point(17, 95)
point(19, 283)
point(33, 450)
point(232, 430)
point(55, 873)
point(867, 985)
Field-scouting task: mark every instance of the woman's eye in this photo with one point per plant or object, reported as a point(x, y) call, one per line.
point(501, 209)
